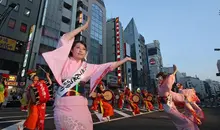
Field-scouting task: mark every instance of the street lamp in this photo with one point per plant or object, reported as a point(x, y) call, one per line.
point(6, 13)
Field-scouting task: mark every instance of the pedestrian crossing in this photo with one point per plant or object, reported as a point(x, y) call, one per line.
point(10, 119)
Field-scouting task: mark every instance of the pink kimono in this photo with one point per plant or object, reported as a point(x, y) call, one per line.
point(72, 113)
point(180, 121)
point(194, 99)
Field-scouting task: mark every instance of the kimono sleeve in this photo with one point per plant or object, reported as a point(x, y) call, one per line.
point(57, 58)
point(98, 72)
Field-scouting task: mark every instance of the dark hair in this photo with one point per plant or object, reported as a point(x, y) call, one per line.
point(162, 74)
point(74, 44)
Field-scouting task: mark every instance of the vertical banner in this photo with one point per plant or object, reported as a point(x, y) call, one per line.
point(29, 44)
point(118, 56)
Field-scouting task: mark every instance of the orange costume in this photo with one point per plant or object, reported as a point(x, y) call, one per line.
point(105, 108)
point(147, 101)
point(36, 112)
point(95, 103)
point(121, 100)
point(134, 106)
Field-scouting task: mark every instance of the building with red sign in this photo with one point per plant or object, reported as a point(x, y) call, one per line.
point(155, 62)
point(116, 51)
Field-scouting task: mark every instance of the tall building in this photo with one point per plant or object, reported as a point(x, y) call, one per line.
point(57, 18)
point(155, 62)
point(131, 37)
point(15, 26)
point(95, 36)
point(116, 50)
point(144, 81)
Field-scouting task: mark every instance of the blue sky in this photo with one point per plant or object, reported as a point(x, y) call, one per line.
point(188, 30)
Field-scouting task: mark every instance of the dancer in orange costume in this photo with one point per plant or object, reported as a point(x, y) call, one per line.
point(160, 105)
point(36, 115)
point(105, 108)
point(121, 100)
point(134, 107)
point(95, 103)
point(147, 99)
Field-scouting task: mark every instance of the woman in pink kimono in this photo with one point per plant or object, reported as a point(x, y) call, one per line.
point(193, 111)
point(68, 65)
point(168, 97)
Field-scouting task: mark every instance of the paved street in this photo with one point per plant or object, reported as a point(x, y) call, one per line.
point(10, 118)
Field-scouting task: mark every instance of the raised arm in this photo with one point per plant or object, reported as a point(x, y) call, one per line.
point(118, 63)
point(74, 32)
point(48, 78)
point(174, 69)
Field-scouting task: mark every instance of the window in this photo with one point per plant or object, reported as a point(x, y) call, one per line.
point(27, 12)
point(11, 23)
point(67, 6)
point(61, 33)
point(17, 8)
point(3, 2)
point(65, 20)
point(30, 0)
point(85, 17)
point(23, 28)
point(85, 7)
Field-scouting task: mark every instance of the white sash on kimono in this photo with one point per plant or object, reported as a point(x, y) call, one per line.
point(72, 82)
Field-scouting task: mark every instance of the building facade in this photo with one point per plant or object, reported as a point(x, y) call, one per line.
point(116, 50)
point(131, 37)
point(155, 63)
point(15, 27)
point(144, 81)
point(57, 18)
point(95, 36)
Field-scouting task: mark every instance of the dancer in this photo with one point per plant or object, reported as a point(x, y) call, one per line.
point(193, 111)
point(147, 101)
point(167, 96)
point(105, 108)
point(2, 89)
point(121, 100)
point(36, 115)
point(131, 104)
point(68, 65)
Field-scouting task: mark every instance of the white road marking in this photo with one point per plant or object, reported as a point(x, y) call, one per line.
point(121, 113)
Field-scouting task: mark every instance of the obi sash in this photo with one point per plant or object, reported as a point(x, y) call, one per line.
point(68, 84)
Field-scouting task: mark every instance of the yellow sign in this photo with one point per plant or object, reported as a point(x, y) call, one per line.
point(7, 43)
point(12, 78)
point(12, 83)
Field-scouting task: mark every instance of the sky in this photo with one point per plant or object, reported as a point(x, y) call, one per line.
point(188, 30)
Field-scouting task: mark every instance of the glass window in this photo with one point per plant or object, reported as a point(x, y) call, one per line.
point(17, 8)
point(30, 0)
point(96, 26)
point(27, 12)
point(11, 23)
point(23, 27)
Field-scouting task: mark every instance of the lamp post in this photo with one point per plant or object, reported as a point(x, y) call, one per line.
point(6, 13)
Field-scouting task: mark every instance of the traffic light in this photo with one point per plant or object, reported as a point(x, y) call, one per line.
point(217, 74)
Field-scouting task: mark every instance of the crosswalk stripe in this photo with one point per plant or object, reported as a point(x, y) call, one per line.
point(121, 113)
point(15, 126)
point(99, 115)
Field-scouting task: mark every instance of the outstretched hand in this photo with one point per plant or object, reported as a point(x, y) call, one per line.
point(130, 59)
point(86, 25)
point(174, 68)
